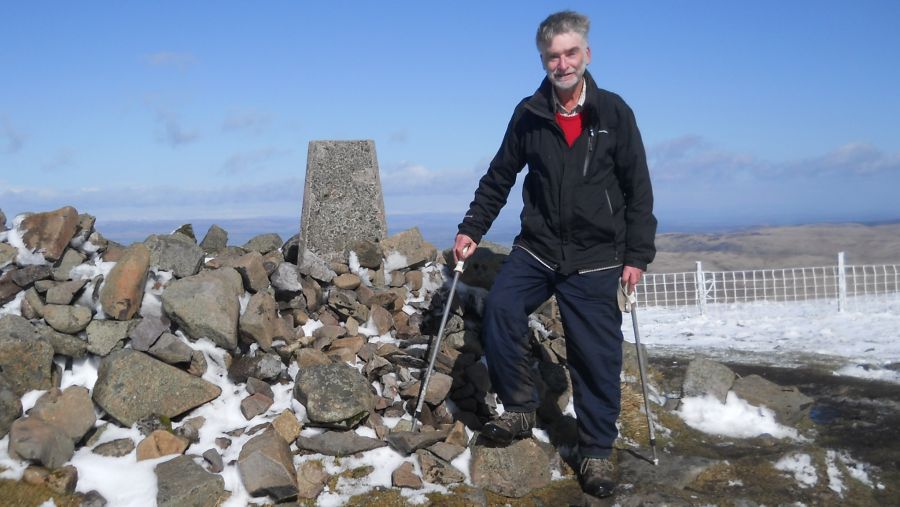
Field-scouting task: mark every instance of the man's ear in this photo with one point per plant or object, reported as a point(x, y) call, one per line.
point(587, 55)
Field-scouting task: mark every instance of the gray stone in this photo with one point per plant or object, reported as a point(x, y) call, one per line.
point(206, 305)
point(176, 253)
point(2, 221)
point(335, 395)
point(64, 293)
point(215, 241)
point(8, 289)
point(216, 464)
point(50, 232)
point(411, 247)
point(255, 404)
point(147, 331)
point(512, 471)
point(286, 277)
point(446, 451)
point(8, 254)
point(259, 322)
point(788, 403)
point(93, 499)
point(123, 290)
point(342, 198)
point(70, 410)
point(37, 440)
point(264, 243)
point(25, 276)
point(437, 471)
point(188, 231)
point(10, 407)
point(314, 266)
point(132, 385)
point(70, 259)
point(407, 442)
point(67, 319)
point(405, 476)
point(368, 253)
point(263, 366)
point(183, 483)
point(26, 357)
point(115, 448)
point(83, 230)
point(104, 335)
point(381, 319)
point(252, 270)
point(255, 385)
point(707, 377)
point(339, 443)
point(171, 349)
point(311, 479)
point(266, 467)
point(675, 470)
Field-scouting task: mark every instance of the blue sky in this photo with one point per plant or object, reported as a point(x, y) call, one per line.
point(761, 112)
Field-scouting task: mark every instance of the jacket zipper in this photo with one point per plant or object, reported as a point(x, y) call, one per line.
point(591, 270)
point(587, 158)
point(529, 252)
point(608, 201)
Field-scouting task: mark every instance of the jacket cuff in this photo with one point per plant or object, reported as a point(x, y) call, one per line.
point(636, 264)
point(476, 237)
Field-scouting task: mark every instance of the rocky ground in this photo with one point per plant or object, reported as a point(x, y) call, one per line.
point(323, 363)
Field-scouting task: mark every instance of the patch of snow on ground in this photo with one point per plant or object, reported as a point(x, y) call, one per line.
point(800, 465)
point(734, 418)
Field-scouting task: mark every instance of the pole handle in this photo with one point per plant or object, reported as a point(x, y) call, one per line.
point(460, 264)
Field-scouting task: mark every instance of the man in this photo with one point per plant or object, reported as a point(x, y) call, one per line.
point(587, 221)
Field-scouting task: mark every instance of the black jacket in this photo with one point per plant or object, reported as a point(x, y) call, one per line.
point(586, 207)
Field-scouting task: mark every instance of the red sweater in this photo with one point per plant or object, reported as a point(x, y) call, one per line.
point(571, 127)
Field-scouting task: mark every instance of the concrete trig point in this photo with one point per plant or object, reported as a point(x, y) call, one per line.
point(342, 198)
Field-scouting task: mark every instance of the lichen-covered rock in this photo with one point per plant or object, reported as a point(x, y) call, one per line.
point(49, 233)
point(206, 305)
point(266, 467)
point(335, 395)
point(25, 356)
point(176, 253)
point(181, 482)
point(512, 471)
point(67, 319)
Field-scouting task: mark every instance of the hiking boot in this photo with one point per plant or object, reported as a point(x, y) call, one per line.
point(597, 477)
point(509, 426)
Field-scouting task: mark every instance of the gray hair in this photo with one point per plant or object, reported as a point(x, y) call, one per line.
point(561, 22)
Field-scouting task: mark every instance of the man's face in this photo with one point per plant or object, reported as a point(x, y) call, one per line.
point(565, 60)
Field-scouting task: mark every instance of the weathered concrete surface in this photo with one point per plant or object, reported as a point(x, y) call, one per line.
point(342, 198)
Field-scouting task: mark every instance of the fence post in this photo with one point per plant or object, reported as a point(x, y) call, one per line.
point(842, 283)
point(701, 289)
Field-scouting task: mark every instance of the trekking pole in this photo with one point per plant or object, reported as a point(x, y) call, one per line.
point(632, 303)
point(435, 347)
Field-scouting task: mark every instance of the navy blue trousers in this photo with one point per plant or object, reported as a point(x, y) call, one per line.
point(592, 323)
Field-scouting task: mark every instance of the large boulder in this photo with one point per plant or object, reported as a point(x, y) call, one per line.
point(207, 305)
point(335, 395)
point(34, 439)
point(10, 407)
point(50, 232)
point(260, 322)
point(181, 482)
point(266, 466)
point(512, 471)
point(71, 410)
point(26, 358)
point(407, 249)
point(176, 253)
point(788, 403)
point(123, 290)
point(706, 377)
point(132, 385)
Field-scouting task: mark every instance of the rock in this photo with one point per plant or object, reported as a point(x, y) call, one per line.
point(63, 344)
point(381, 319)
point(437, 471)
point(10, 407)
point(147, 331)
point(266, 467)
point(287, 426)
point(215, 241)
point(25, 357)
point(339, 443)
point(62, 480)
point(483, 265)
point(132, 385)
point(123, 290)
point(115, 448)
point(255, 404)
point(313, 266)
point(181, 482)
point(176, 253)
point(36, 440)
point(263, 366)
point(255, 385)
point(8, 289)
point(512, 471)
point(675, 471)
point(347, 281)
point(64, 293)
point(216, 464)
point(190, 429)
point(309, 357)
point(707, 377)
point(171, 349)
point(259, 322)
point(70, 259)
point(104, 335)
point(407, 249)
point(311, 479)
point(368, 253)
point(186, 230)
point(406, 442)
point(335, 395)
point(70, 410)
point(93, 499)
point(28, 275)
point(206, 305)
point(446, 451)
point(264, 243)
point(788, 403)
point(405, 476)
point(67, 319)
point(252, 270)
point(2, 221)
point(286, 277)
point(50, 232)
point(8, 254)
point(160, 443)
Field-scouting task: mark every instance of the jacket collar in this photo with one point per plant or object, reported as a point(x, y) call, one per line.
point(541, 103)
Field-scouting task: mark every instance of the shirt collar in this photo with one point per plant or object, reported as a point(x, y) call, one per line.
point(578, 107)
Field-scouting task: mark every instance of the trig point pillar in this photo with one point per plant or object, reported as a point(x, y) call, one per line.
point(342, 199)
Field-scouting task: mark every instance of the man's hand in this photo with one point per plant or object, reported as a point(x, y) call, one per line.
point(463, 248)
point(631, 276)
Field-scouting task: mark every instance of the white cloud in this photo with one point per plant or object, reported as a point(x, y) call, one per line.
point(251, 160)
point(13, 138)
point(171, 130)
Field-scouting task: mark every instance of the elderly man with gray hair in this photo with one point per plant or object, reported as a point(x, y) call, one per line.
point(587, 229)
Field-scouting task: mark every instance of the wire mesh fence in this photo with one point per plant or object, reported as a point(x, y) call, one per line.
point(701, 288)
